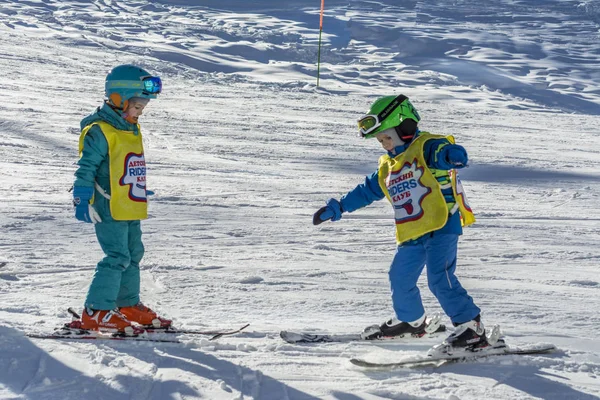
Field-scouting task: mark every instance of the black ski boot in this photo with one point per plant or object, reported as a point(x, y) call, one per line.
point(394, 328)
point(467, 337)
point(470, 335)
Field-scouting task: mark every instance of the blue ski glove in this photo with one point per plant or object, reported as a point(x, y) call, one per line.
point(453, 156)
point(332, 211)
point(83, 209)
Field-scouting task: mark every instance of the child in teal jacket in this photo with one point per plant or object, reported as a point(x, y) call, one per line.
point(110, 192)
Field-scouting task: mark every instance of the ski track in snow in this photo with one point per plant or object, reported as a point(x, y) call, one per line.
point(242, 149)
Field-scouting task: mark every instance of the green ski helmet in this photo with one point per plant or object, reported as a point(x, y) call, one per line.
point(390, 112)
point(127, 81)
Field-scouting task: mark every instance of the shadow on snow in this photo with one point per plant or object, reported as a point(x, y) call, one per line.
point(32, 372)
point(518, 175)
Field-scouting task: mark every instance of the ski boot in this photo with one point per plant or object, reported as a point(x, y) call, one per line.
point(394, 328)
point(145, 316)
point(467, 338)
point(111, 321)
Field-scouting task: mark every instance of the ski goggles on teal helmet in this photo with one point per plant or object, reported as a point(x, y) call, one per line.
point(146, 86)
point(152, 85)
point(369, 124)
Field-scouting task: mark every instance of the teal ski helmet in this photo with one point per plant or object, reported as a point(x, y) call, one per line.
point(390, 112)
point(127, 81)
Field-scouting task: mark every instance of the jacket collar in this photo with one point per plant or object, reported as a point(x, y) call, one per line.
point(113, 117)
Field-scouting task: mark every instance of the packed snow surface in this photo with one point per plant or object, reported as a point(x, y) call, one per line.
point(243, 147)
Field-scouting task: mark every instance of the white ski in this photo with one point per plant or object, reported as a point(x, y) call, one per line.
point(434, 327)
point(499, 349)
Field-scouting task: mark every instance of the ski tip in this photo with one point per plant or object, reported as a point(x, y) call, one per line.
point(383, 366)
point(539, 348)
point(289, 337)
point(359, 363)
point(221, 334)
point(365, 364)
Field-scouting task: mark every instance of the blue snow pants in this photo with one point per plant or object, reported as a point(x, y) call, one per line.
point(438, 252)
point(116, 281)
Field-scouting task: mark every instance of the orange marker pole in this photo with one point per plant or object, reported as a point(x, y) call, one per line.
point(320, 31)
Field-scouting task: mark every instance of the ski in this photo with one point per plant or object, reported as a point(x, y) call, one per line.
point(214, 334)
point(434, 327)
point(500, 349)
point(306, 337)
point(68, 333)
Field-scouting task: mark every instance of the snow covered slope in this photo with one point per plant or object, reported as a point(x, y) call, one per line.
point(242, 148)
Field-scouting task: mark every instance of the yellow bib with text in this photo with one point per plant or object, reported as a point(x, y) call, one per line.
point(127, 167)
point(415, 193)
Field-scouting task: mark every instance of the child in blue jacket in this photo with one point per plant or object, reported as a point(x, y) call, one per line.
point(418, 177)
point(110, 192)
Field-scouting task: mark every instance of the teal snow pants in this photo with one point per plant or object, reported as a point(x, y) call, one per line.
point(116, 281)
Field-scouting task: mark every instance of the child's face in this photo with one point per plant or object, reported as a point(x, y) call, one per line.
point(134, 111)
point(386, 141)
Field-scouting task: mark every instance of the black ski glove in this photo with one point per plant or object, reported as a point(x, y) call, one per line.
point(332, 211)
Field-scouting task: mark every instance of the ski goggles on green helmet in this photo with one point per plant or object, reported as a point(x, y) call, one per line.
point(370, 122)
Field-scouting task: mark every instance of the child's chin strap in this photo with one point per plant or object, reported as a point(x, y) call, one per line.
point(407, 130)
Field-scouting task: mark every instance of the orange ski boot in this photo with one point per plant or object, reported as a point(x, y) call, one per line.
point(145, 316)
point(111, 321)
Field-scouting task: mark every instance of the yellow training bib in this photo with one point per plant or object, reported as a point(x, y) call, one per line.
point(415, 193)
point(127, 172)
